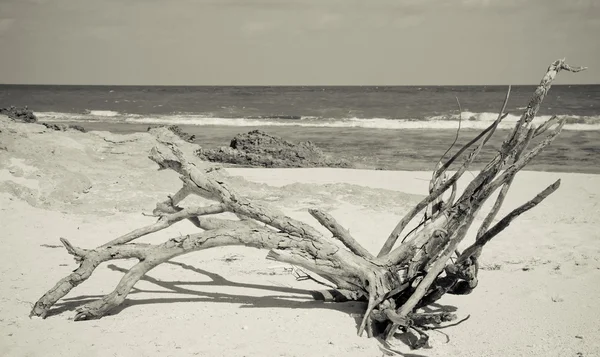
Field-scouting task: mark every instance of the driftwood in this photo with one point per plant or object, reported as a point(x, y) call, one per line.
point(395, 283)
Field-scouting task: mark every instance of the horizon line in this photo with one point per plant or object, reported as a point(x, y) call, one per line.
point(290, 85)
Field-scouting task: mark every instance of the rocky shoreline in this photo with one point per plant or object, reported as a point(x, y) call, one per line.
point(260, 149)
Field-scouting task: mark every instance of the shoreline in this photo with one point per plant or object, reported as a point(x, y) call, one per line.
point(403, 150)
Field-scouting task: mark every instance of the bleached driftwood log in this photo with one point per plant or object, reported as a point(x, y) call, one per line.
point(395, 283)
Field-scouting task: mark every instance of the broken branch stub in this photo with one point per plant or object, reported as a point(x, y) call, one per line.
point(396, 283)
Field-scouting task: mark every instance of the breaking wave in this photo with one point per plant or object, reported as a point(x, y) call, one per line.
point(469, 120)
point(103, 113)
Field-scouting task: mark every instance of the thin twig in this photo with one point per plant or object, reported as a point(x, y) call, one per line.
point(305, 276)
point(435, 172)
point(437, 177)
point(450, 325)
point(489, 169)
point(166, 221)
point(393, 237)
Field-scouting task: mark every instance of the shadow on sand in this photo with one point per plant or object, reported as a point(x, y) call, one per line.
point(295, 299)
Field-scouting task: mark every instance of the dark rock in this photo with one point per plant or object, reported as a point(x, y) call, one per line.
point(78, 128)
point(24, 115)
point(177, 130)
point(258, 148)
point(64, 127)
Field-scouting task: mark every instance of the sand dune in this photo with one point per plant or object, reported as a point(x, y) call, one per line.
point(537, 296)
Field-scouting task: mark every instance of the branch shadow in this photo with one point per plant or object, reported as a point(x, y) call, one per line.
point(301, 298)
point(388, 350)
point(437, 307)
point(295, 299)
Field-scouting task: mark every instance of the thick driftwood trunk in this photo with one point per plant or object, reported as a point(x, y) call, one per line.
point(395, 283)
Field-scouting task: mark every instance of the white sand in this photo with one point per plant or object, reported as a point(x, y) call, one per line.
point(538, 293)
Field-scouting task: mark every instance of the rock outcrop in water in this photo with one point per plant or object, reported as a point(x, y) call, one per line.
point(258, 148)
point(177, 130)
point(24, 115)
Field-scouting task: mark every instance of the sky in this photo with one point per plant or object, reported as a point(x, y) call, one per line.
point(296, 42)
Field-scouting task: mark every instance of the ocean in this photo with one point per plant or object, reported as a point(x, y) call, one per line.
point(383, 127)
point(396, 107)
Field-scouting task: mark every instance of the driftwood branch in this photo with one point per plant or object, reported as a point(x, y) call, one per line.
point(484, 238)
point(340, 233)
point(441, 188)
point(395, 284)
point(166, 221)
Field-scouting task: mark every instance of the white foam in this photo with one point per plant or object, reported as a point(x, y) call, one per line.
point(485, 117)
point(94, 115)
point(469, 120)
point(103, 113)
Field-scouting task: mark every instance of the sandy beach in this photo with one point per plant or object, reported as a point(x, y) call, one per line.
point(538, 285)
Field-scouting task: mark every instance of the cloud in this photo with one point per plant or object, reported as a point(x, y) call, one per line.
point(477, 2)
point(105, 32)
point(257, 28)
point(5, 25)
point(550, 4)
point(582, 4)
point(323, 21)
point(327, 20)
point(409, 21)
point(496, 3)
point(255, 4)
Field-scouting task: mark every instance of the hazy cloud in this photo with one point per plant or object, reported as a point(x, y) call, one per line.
point(328, 20)
point(5, 25)
point(256, 4)
point(539, 4)
point(257, 28)
point(408, 21)
point(106, 33)
point(484, 2)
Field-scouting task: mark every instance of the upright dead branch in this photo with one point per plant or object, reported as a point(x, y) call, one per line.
point(441, 188)
point(396, 283)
